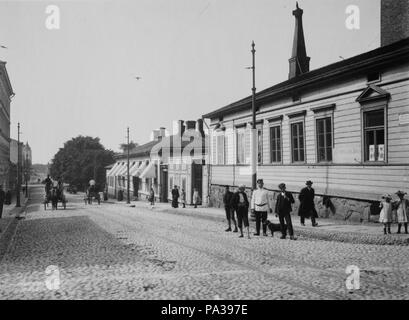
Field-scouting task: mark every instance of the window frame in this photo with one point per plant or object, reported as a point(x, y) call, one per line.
point(291, 123)
point(223, 162)
point(367, 109)
point(280, 130)
point(316, 119)
point(241, 130)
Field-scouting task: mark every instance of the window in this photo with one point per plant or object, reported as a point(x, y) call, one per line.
point(297, 138)
point(220, 149)
point(241, 146)
point(374, 135)
point(170, 183)
point(275, 144)
point(324, 139)
point(260, 145)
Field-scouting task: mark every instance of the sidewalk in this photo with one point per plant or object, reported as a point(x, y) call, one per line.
point(8, 223)
point(328, 229)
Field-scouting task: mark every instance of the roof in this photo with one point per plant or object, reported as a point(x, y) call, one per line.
point(139, 151)
point(370, 60)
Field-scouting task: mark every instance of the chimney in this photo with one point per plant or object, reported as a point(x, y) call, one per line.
point(199, 126)
point(190, 125)
point(155, 135)
point(162, 132)
point(299, 62)
point(394, 21)
point(180, 128)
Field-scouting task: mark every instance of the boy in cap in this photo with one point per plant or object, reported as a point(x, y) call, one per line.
point(307, 205)
point(260, 205)
point(283, 209)
point(402, 210)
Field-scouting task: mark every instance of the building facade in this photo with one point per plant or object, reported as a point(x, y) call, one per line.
point(345, 126)
point(6, 93)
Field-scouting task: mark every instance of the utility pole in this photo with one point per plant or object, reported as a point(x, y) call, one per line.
point(18, 167)
point(254, 159)
point(26, 175)
point(127, 169)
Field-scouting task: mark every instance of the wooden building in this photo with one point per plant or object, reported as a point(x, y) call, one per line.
point(344, 126)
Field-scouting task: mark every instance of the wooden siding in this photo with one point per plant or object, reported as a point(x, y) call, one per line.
point(362, 182)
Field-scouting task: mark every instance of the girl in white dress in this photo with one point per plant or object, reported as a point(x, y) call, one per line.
point(386, 213)
point(402, 210)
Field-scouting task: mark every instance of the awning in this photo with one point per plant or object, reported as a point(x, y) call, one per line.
point(124, 170)
point(109, 172)
point(149, 172)
point(121, 169)
point(140, 169)
point(114, 169)
point(134, 169)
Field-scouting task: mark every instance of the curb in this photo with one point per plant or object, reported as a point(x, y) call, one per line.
point(6, 236)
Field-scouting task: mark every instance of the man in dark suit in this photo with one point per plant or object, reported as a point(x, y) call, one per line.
point(229, 209)
point(175, 197)
point(283, 209)
point(307, 206)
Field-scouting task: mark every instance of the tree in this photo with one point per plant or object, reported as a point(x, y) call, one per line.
point(124, 146)
point(80, 160)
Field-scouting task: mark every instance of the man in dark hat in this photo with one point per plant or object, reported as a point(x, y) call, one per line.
point(260, 205)
point(283, 209)
point(307, 205)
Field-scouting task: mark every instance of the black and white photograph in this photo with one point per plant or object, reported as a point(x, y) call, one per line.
point(220, 151)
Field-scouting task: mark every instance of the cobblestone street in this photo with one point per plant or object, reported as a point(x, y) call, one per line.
point(114, 251)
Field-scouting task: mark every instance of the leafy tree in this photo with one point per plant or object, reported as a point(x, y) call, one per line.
point(80, 160)
point(124, 146)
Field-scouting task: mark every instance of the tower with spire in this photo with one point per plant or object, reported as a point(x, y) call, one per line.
point(299, 62)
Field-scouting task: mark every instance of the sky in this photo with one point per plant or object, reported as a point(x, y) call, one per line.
point(191, 56)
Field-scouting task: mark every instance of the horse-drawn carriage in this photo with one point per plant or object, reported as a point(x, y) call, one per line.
point(54, 195)
point(92, 194)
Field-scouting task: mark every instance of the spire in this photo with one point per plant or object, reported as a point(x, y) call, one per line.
point(299, 62)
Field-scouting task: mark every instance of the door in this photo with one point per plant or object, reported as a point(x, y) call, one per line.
point(197, 178)
point(164, 183)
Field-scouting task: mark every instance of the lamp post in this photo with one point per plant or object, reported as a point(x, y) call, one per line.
point(26, 174)
point(253, 129)
point(127, 169)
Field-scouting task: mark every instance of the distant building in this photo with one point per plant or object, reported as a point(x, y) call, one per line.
point(6, 93)
point(345, 126)
point(12, 173)
point(162, 163)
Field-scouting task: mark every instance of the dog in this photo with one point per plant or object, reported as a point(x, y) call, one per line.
point(273, 227)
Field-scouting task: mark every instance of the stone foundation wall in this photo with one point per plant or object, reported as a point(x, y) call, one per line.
point(336, 208)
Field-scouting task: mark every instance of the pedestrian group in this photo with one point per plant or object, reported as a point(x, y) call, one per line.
point(259, 205)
